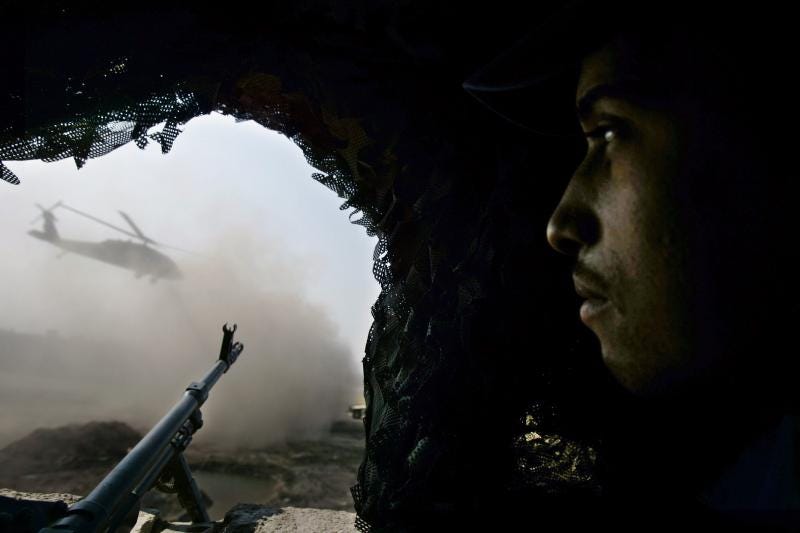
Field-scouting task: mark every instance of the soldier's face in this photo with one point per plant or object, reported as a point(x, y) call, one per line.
point(624, 218)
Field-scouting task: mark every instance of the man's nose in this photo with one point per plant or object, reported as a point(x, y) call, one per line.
point(574, 224)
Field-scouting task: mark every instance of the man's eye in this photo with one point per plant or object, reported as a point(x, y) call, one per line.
point(606, 133)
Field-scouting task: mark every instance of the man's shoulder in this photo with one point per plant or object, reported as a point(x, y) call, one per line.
point(762, 484)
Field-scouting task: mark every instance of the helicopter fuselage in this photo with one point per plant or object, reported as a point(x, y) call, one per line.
point(140, 258)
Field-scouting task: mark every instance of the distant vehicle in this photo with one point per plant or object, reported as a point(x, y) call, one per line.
point(142, 259)
point(357, 411)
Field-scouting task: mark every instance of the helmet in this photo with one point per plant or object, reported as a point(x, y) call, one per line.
point(533, 83)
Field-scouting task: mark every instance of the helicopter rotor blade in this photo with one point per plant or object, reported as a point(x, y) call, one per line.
point(46, 210)
point(40, 215)
point(148, 239)
point(99, 221)
point(136, 229)
point(138, 235)
point(162, 245)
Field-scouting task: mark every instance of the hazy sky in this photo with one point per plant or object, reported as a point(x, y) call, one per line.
point(273, 252)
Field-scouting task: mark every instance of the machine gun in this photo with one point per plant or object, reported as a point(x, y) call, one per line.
point(157, 460)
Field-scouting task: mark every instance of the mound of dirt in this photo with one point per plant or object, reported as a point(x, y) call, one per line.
point(96, 445)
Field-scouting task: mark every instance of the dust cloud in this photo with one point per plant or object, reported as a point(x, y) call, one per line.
point(83, 340)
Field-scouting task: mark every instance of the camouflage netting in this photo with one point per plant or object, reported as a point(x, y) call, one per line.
point(484, 398)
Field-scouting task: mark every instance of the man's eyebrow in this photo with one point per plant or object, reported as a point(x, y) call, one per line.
point(630, 90)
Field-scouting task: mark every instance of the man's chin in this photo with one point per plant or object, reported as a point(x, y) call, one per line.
point(641, 381)
point(656, 383)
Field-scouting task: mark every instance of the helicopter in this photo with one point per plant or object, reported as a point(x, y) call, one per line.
point(142, 259)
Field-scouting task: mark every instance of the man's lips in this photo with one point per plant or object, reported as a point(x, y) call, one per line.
point(595, 301)
point(587, 291)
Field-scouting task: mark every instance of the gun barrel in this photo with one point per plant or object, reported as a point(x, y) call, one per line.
point(94, 512)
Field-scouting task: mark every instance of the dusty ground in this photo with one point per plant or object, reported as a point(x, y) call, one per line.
point(73, 459)
point(242, 518)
